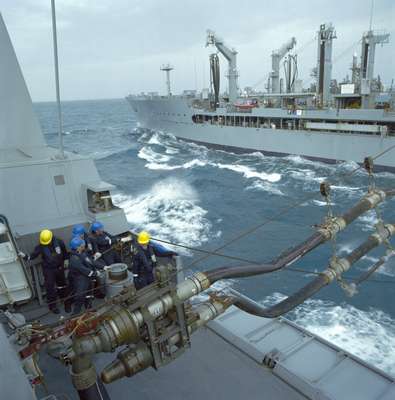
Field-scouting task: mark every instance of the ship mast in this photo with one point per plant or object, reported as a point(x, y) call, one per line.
point(56, 63)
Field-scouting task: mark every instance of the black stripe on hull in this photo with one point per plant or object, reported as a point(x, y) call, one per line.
point(240, 150)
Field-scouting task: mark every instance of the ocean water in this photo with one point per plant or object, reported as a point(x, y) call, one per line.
point(200, 197)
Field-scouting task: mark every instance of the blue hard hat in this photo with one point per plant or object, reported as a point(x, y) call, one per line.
point(96, 226)
point(76, 242)
point(78, 230)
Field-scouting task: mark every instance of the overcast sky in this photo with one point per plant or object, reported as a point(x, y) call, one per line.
point(109, 48)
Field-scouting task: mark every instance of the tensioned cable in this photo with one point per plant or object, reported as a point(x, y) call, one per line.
point(293, 269)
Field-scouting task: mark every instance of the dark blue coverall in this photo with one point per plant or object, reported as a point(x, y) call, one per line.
point(144, 263)
point(90, 246)
point(103, 243)
point(82, 271)
point(53, 256)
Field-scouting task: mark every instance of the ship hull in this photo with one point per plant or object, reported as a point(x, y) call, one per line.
point(175, 116)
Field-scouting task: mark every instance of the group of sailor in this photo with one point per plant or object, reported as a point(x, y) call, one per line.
point(91, 253)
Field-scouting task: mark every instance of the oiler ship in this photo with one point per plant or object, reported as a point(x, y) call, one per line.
point(329, 121)
point(156, 342)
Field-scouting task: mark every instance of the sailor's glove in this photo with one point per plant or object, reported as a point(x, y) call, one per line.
point(100, 274)
point(23, 255)
point(96, 256)
point(92, 274)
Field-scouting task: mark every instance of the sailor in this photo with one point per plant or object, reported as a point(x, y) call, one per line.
point(144, 261)
point(103, 244)
point(53, 254)
point(82, 272)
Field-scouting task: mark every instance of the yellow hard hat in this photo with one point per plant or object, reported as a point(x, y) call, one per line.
point(46, 236)
point(143, 237)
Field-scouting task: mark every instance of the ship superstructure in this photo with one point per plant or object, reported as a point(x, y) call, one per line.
point(327, 122)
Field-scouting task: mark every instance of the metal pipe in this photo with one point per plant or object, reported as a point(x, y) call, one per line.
point(85, 380)
point(94, 392)
point(324, 233)
point(55, 54)
point(334, 271)
point(132, 360)
point(366, 275)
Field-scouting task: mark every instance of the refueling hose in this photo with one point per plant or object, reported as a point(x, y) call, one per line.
point(289, 256)
point(332, 272)
point(94, 392)
point(283, 260)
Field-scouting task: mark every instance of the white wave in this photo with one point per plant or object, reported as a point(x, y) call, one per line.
point(166, 167)
point(194, 163)
point(266, 187)
point(154, 139)
point(169, 210)
point(187, 165)
point(249, 172)
point(347, 248)
point(368, 221)
point(370, 335)
point(158, 166)
point(349, 166)
point(320, 203)
point(171, 150)
point(299, 160)
point(146, 153)
point(305, 175)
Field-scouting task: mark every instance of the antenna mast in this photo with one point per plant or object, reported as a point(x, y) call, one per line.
point(55, 53)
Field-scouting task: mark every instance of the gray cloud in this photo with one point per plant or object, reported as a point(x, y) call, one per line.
point(111, 48)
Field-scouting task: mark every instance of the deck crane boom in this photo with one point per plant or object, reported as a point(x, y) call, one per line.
point(277, 56)
point(230, 55)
